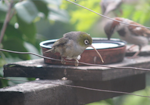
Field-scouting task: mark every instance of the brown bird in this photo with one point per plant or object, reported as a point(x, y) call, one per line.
point(132, 34)
point(109, 5)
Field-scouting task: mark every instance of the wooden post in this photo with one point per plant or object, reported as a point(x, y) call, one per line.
point(41, 92)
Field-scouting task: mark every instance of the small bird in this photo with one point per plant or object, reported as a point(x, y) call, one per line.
point(71, 46)
point(131, 32)
point(109, 5)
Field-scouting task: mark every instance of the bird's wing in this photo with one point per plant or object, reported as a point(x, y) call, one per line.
point(60, 42)
point(139, 31)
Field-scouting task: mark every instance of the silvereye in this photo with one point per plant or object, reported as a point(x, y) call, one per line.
point(71, 46)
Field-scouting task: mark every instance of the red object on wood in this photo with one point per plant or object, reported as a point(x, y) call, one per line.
point(111, 54)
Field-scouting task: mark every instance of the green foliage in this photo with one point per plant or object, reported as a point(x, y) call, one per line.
point(21, 31)
point(26, 10)
point(103, 102)
point(3, 7)
point(40, 5)
point(127, 99)
point(28, 29)
point(80, 17)
point(55, 21)
point(59, 15)
point(138, 12)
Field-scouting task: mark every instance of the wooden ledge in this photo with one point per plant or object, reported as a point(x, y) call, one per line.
point(38, 69)
point(41, 92)
point(44, 93)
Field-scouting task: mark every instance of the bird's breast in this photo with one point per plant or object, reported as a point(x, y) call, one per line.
point(133, 39)
point(72, 50)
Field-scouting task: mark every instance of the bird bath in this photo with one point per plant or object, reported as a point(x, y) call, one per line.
point(112, 51)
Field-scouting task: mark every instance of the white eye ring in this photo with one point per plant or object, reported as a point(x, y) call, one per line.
point(86, 42)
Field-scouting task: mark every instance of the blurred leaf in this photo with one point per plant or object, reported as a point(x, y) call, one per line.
point(3, 82)
point(82, 18)
point(128, 10)
point(16, 80)
point(135, 100)
point(16, 44)
point(2, 61)
point(3, 7)
point(26, 10)
point(3, 10)
point(55, 2)
point(58, 15)
point(136, 15)
point(28, 29)
point(31, 79)
point(110, 101)
point(2, 16)
point(143, 19)
point(41, 6)
point(103, 102)
point(32, 49)
point(11, 32)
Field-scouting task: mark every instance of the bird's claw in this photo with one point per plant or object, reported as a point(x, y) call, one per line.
point(129, 50)
point(63, 61)
point(76, 62)
point(132, 57)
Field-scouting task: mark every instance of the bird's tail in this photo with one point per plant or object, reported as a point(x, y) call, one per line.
point(50, 50)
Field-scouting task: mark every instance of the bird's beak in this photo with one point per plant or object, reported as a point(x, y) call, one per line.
point(109, 34)
point(109, 29)
point(98, 53)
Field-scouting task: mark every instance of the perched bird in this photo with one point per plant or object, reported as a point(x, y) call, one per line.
point(71, 46)
point(132, 34)
point(109, 5)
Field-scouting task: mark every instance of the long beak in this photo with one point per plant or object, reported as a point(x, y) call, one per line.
point(109, 34)
point(47, 51)
point(108, 38)
point(98, 53)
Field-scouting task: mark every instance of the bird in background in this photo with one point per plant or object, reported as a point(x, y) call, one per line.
point(72, 45)
point(109, 5)
point(136, 35)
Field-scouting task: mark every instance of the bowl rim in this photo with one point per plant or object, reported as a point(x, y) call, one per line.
point(114, 40)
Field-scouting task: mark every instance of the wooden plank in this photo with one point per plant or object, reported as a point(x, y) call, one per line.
point(41, 92)
point(145, 51)
point(46, 92)
point(38, 69)
point(31, 93)
point(126, 84)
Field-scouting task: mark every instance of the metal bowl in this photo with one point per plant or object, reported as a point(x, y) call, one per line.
point(112, 51)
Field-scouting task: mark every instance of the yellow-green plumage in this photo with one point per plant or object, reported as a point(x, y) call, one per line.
point(71, 45)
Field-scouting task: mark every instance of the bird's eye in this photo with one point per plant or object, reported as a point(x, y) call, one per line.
point(86, 42)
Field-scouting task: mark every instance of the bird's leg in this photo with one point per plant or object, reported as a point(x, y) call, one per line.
point(129, 49)
point(63, 60)
point(135, 55)
point(137, 52)
point(76, 62)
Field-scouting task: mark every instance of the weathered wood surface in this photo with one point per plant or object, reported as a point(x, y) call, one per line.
point(41, 92)
point(38, 69)
point(49, 92)
point(126, 84)
point(126, 80)
point(145, 51)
